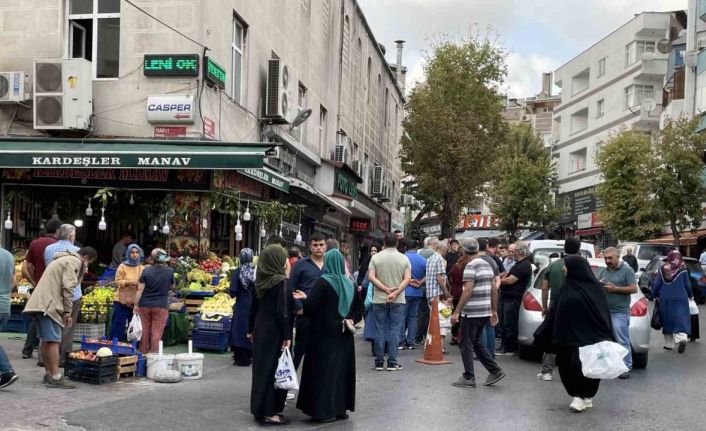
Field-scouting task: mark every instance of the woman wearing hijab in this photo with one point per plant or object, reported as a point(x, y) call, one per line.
point(672, 290)
point(580, 317)
point(126, 279)
point(152, 300)
point(270, 328)
point(242, 286)
point(328, 378)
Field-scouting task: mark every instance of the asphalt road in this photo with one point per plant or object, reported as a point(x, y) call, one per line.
point(667, 395)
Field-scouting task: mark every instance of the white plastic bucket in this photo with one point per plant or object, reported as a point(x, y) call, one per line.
point(190, 365)
point(156, 362)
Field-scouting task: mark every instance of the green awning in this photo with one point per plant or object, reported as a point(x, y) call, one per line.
point(269, 177)
point(130, 154)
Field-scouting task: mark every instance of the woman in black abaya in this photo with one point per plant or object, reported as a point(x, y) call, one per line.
point(581, 317)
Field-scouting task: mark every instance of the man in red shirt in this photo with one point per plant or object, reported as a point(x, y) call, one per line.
point(32, 269)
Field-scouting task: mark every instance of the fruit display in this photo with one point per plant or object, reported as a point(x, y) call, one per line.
point(212, 264)
point(220, 303)
point(223, 285)
point(18, 299)
point(199, 280)
point(84, 355)
point(107, 342)
point(96, 304)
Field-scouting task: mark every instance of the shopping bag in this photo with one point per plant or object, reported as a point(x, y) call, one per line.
point(286, 374)
point(134, 331)
point(656, 321)
point(369, 297)
point(603, 360)
point(693, 308)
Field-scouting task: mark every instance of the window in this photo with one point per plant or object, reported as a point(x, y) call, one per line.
point(635, 94)
point(94, 34)
point(579, 120)
point(600, 107)
point(366, 161)
point(322, 126)
point(368, 87)
point(634, 51)
point(601, 67)
point(237, 48)
point(299, 132)
point(577, 161)
point(580, 82)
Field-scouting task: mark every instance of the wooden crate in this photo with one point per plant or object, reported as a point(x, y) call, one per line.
point(193, 304)
point(127, 365)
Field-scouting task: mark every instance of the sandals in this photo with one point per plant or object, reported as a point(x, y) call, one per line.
point(269, 422)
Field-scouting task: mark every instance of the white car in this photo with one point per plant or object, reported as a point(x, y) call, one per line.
point(542, 249)
point(531, 317)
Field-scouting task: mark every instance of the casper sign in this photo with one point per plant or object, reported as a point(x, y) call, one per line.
point(170, 109)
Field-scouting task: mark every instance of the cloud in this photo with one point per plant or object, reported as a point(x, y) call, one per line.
point(525, 73)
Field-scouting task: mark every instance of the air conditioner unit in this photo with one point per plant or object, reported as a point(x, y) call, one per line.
point(700, 44)
point(385, 196)
point(63, 94)
point(339, 153)
point(526, 117)
point(377, 180)
point(14, 87)
point(281, 91)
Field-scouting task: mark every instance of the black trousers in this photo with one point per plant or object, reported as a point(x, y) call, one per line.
point(576, 385)
point(511, 315)
point(472, 341)
point(422, 320)
point(32, 340)
point(301, 339)
point(454, 328)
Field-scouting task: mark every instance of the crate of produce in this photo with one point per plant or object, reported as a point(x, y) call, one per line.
point(89, 330)
point(17, 322)
point(93, 316)
point(118, 348)
point(192, 305)
point(127, 366)
point(210, 340)
point(83, 366)
point(215, 323)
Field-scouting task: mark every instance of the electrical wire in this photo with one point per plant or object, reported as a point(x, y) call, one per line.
point(164, 23)
point(125, 105)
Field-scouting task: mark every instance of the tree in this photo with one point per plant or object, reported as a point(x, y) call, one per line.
point(678, 181)
point(453, 125)
point(628, 209)
point(522, 193)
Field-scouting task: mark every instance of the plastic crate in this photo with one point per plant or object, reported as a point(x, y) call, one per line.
point(210, 340)
point(103, 370)
point(223, 324)
point(141, 365)
point(112, 345)
point(199, 294)
point(16, 323)
point(89, 330)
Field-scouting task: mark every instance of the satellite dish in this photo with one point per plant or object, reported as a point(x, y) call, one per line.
point(648, 105)
point(302, 117)
point(664, 46)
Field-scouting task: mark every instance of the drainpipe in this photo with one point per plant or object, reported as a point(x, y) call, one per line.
point(690, 72)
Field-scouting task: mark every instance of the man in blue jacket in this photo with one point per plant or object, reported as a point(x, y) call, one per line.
point(413, 295)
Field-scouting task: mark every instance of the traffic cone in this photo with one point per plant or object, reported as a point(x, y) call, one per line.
point(432, 345)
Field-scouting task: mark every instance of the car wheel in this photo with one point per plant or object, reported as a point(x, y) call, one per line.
point(530, 353)
point(639, 360)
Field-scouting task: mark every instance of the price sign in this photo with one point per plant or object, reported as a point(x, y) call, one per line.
point(215, 74)
point(171, 65)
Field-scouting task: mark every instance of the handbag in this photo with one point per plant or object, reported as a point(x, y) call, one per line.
point(369, 298)
point(656, 321)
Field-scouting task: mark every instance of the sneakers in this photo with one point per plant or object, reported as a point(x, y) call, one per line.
point(463, 382)
point(494, 378)
point(547, 377)
point(395, 367)
point(411, 347)
point(682, 346)
point(7, 379)
point(588, 403)
point(400, 347)
point(59, 383)
point(504, 352)
point(577, 405)
point(290, 396)
point(378, 367)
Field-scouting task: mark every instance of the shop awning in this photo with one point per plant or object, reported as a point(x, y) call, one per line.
point(589, 232)
point(269, 177)
point(329, 201)
point(357, 209)
point(685, 238)
point(130, 154)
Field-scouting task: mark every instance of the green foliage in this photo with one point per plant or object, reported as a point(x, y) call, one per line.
point(628, 211)
point(522, 193)
point(454, 125)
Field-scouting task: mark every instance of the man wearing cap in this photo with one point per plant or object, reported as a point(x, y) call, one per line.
point(512, 288)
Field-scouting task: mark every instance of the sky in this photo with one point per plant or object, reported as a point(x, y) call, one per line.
point(540, 35)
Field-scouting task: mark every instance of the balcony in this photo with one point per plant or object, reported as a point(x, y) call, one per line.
point(701, 9)
point(653, 66)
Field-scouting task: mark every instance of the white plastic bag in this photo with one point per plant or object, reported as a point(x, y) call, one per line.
point(603, 360)
point(134, 331)
point(693, 308)
point(286, 374)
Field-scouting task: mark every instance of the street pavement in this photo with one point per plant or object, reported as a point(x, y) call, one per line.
point(667, 395)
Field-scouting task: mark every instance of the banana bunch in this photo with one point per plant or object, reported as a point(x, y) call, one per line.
point(220, 303)
point(200, 276)
point(223, 285)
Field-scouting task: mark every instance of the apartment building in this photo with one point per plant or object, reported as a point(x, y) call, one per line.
point(536, 110)
point(615, 84)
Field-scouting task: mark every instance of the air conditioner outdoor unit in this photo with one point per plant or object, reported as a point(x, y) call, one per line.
point(14, 87)
point(377, 180)
point(63, 94)
point(385, 196)
point(526, 117)
point(339, 153)
point(279, 103)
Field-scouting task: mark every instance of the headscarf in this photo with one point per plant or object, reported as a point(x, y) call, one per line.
point(334, 273)
point(128, 261)
point(247, 269)
point(270, 269)
point(582, 316)
point(676, 264)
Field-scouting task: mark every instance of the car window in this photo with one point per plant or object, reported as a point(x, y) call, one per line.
point(648, 252)
point(653, 265)
point(538, 280)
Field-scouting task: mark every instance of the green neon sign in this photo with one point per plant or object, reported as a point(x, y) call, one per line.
point(171, 65)
point(215, 74)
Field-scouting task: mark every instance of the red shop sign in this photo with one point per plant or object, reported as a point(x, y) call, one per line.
point(360, 225)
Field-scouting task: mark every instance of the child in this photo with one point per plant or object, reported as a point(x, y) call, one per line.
point(445, 312)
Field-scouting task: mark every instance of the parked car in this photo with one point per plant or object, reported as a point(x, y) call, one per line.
point(531, 317)
point(645, 252)
point(696, 271)
point(542, 249)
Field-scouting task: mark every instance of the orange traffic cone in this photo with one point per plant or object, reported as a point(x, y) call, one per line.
point(432, 345)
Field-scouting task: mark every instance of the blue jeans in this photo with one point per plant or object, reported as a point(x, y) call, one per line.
point(489, 338)
point(388, 319)
point(621, 324)
point(411, 311)
point(5, 366)
point(122, 315)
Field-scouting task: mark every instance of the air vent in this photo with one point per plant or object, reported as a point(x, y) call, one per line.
point(4, 87)
point(48, 78)
point(49, 110)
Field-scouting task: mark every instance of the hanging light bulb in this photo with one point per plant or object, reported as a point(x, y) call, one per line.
point(132, 199)
point(102, 225)
point(8, 222)
point(238, 226)
point(89, 209)
point(204, 223)
point(263, 232)
point(155, 228)
point(165, 228)
point(298, 239)
point(78, 222)
point(246, 215)
point(238, 236)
